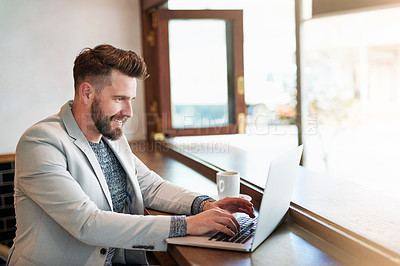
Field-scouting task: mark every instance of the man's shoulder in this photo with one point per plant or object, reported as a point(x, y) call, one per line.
point(51, 125)
point(48, 130)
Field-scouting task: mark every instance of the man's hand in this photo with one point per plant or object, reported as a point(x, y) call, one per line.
point(232, 204)
point(213, 219)
point(218, 216)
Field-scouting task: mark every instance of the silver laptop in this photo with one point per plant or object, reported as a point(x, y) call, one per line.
point(274, 205)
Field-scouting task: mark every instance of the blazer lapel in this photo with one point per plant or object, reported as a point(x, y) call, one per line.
point(80, 141)
point(120, 151)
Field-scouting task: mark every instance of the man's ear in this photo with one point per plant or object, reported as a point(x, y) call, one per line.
point(86, 92)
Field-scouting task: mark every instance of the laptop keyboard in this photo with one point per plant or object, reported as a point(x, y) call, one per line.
point(247, 229)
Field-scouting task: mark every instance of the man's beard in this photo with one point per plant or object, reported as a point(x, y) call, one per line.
point(103, 122)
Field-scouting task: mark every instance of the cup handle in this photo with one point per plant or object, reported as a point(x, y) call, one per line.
point(221, 186)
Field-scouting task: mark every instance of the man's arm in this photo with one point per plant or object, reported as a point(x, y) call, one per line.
point(161, 195)
point(42, 176)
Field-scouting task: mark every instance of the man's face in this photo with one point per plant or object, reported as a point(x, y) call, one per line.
point(112, 106)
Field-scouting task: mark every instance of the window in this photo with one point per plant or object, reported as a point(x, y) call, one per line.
point(269, 63)
point(351, 89)
point(197, 67)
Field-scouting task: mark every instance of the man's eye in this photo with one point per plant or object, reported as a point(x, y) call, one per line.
point(119, 99)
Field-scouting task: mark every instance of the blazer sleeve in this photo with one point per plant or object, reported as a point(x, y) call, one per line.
point(42, 176)
point(159, 194)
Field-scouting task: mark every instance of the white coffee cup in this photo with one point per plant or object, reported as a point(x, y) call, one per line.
point(228, 184)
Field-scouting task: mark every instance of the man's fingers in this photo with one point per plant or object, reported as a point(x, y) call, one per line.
point(224, 229)
point(229, 221)
point(232, 202)
point(241, 205)
point(249, 211)
point(234, 225)
point(225, 218)
point(247, 207)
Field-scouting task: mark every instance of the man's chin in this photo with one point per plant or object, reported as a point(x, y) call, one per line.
point(115, 135)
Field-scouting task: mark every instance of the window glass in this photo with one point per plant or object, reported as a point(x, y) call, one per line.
point(198, 73)
point(351, 92)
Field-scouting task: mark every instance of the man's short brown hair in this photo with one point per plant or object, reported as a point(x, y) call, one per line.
point(95, 65)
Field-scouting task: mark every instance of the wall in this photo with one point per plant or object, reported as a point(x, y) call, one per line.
point(39, 42)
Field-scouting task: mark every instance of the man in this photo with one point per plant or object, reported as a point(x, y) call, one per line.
point(80, 193)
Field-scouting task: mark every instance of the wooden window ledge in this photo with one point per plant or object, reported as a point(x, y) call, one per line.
point(354, 219)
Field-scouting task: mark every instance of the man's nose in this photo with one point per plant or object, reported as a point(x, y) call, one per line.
point(127, 109)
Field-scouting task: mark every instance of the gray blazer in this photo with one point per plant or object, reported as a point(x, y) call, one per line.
point(64, 208)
